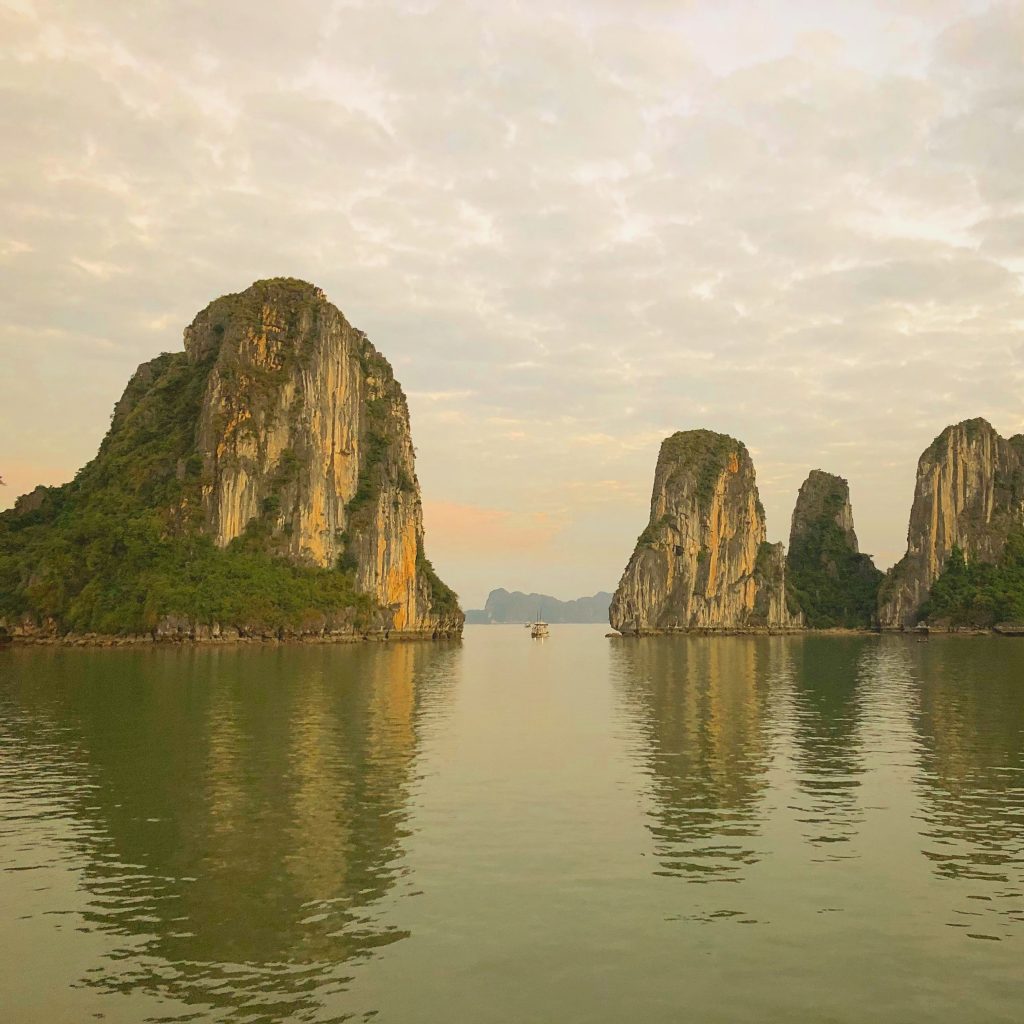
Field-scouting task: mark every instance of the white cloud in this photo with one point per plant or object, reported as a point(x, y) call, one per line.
point(572, 228)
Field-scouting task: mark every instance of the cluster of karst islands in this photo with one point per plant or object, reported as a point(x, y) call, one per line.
point(261, 483)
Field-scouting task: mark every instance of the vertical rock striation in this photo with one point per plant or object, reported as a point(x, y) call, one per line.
point(702, 562)
point(304, 431)
point(969, 494)
point(834, 584)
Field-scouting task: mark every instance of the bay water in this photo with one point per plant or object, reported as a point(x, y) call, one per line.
point(577, 829)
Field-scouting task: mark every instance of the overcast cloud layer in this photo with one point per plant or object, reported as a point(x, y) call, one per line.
point(573, 227)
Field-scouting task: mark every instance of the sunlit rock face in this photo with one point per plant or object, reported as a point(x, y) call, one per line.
point(304, 434)
point(702, 562)
point(969, 494)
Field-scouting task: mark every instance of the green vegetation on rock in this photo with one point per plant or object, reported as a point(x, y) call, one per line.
point(979, 594)
point(385, 396)
point(120, 546)
point(702, 454)
point(833, 584)
point(443, 600)
point(973, 429)
point(650, 535)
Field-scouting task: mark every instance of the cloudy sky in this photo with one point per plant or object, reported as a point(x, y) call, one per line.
point(573, 226)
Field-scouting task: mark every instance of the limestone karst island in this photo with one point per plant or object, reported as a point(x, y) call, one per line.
point(259, 483)
point(703, 563)
point(496, 520)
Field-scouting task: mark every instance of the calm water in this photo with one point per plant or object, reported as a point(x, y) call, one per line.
point(573, 830)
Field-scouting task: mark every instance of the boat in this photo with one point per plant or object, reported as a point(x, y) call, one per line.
point(538, 630)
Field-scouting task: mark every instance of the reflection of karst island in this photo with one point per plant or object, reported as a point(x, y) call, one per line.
point(700, 711)
point(259, 483)
point(703, 561)
point(277, 794)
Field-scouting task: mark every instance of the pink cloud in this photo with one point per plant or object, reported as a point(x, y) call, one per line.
point(451, 525)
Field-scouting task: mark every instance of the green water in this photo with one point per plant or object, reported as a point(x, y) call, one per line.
point(806, 829)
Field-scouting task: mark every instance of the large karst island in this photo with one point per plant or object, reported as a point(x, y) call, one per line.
point(703, 562)
point(964, 564)
point(259, 483)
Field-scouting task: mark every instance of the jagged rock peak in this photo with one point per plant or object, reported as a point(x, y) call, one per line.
point(281, 298)
point(702, 562)
point(969, 493)
point(823, 495)
point(832, 582)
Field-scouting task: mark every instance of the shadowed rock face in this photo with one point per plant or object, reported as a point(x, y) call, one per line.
point(969, 494)
point(834, 584)
point(702, 562)
point(304, 427)
point(823, 495)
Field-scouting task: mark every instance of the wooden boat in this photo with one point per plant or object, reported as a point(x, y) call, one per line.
point(538, 630)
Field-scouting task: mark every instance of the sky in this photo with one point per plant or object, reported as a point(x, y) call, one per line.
point(573, 227)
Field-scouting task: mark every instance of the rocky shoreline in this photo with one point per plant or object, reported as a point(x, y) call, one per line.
point(271, 637)
point(1000, 629)
point(180, 630)
point(208, 637)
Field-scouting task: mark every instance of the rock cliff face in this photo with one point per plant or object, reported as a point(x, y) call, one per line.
point(969, 494)
point(702, 562)
point(304, 429)
point(261, 482)
point(834, 584)
point(823, 497)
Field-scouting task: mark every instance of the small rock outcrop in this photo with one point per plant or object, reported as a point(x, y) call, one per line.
point(703, 563)
point(969, 495)
point(833, 583)
point(823, 497)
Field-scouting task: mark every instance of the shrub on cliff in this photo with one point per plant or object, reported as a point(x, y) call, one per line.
point(119, 546)
point(833, 584)
point(979, 593)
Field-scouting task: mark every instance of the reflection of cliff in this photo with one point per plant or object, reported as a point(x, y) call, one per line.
point(826, 719)
point(698, 706)
point(971, 727)
point(266, 786)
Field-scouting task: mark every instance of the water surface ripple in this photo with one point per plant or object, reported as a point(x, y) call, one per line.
point(802, 829)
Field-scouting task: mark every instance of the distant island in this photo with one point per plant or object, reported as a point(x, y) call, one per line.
point(503, 606)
